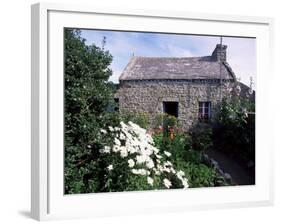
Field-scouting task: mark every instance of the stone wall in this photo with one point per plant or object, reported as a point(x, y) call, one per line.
point(148, 97)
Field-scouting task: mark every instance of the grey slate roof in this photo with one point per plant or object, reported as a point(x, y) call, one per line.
point(184, 68)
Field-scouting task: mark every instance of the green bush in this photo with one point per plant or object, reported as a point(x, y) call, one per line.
point(178, 146)
point(139, 118)
point(201, 175)
point(201, 137)
point(87, 96)
point(234, 130)
point(190, 161)
point(165, 120)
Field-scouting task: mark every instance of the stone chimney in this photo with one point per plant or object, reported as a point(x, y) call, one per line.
point(219, 54)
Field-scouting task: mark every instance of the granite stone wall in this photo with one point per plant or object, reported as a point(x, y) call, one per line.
point(148, 97)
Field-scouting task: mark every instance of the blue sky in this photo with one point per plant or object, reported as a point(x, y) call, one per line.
point(241, 52)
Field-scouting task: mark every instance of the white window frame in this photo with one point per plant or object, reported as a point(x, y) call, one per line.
point(204, 107)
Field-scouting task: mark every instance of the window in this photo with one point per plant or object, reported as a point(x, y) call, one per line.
point(204, 111)
point(171, 108)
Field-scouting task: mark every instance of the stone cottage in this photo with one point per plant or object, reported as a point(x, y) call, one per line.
point(188, 88)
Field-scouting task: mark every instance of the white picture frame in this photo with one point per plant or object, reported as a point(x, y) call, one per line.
point(47, 198)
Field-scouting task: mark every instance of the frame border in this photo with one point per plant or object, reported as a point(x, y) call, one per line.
point(40, 85)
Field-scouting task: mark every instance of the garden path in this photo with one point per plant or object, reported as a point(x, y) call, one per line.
point(239, 174)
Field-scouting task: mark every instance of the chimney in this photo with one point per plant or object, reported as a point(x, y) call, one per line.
point(219, 54)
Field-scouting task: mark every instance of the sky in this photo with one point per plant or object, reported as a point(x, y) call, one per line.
point(241, 52)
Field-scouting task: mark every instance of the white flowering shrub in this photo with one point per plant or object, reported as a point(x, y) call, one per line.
point(134, 163)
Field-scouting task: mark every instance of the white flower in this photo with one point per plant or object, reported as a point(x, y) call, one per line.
point(158, 156)
point(167, 183)
point(138, 143)
point(89, 146)
point(122, 136)
point(117, 142)
point(156, 151)
point(185, 183)
point(110, 167)
point(110, 128)
point(150, 181)
point(166, 169)
point(168, 163)
point(131, 163)
point(167, 153)
point(116, 148)
point(142, 172)
point(140, 159)
point(157, 172)
point(123, 151)
point(180, 173)
point(106, 149)
point(103, 131)
point(150, 164)
point(172, 170)
point(135, 171)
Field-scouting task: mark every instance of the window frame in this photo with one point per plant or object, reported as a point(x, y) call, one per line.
point(204, 105)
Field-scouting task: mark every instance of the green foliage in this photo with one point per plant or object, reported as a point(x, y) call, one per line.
point(139, 118)
point(178, 146)
point(200, 175)
point(202, 137)
point(165, 120)
point(87, 95)
point(190, 161)
point(234, 131)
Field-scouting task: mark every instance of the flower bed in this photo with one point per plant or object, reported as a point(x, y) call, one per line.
point(130, 155)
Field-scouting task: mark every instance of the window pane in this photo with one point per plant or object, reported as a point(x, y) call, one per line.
point(206, 110)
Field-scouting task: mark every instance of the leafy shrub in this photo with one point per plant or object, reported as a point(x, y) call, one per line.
point(201, 137)
point(178, 146)
point(201, 175)
point(234, 131)
point(194, 156)
point(87, 96)
point(165, 120)
point(190, 161)
point(139, 118)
